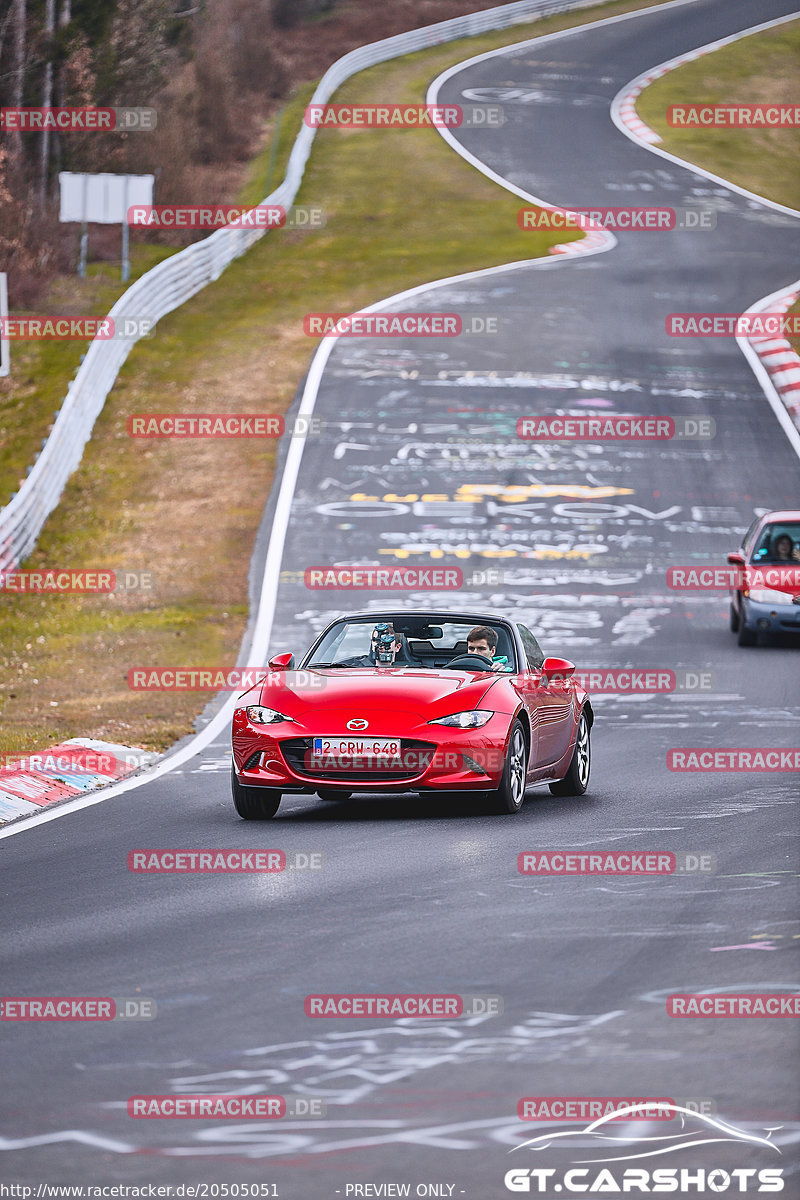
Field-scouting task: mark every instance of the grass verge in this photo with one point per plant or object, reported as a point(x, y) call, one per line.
point(761, 69)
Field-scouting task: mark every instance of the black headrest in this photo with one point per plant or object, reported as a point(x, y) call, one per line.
point(404, 655)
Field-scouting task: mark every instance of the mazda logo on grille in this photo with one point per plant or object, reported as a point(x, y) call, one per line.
point(357, 723)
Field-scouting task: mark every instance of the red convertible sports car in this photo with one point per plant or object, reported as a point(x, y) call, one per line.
point(412, 702)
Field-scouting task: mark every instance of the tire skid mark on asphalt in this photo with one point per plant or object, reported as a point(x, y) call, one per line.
point(348, 1068)
point(259, 1141)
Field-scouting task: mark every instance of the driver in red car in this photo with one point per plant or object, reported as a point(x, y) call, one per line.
point(483, 640)
point(384, 648)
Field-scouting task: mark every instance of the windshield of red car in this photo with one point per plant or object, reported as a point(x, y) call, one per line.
point(423, 644)
point(773, 543)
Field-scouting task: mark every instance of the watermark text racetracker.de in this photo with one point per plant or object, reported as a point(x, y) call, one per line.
point(733, 116)
point(74, 760)
point(733, 758)
point(77, 1008)
point(749, 324)
point(59, 327)
point(428, 1005)
point(223, 862)
point(72, 581)
point(616, 862)
point(734, 1004)
point(631, 681)
point(399, 324)
point(220, 425)
point(626, 427)
point(755, 578)
point(234, 679)
point(403, 116)
point(226, 216)
point(616, 1108)
point(618, 218)
point(368, 578)
point(57, 580)
point(225, 1107)
point(87, 118)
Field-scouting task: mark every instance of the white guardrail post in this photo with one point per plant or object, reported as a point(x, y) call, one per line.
point(169, 284)
point(5, 353)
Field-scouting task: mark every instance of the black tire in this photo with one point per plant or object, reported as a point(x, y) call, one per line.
point(746, 636)
point(510, 795)
point(734, 620)
point(254, 803)
point(331, 796)
point(576, 780)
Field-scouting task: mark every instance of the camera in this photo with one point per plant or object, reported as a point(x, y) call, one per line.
point(385, 645)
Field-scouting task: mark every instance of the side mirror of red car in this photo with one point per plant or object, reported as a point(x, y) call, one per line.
point(281, 662)
point(560, 668)
point(736, 558)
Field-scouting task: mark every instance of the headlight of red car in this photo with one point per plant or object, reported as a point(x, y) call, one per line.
point(264, 716)
point(465, 720)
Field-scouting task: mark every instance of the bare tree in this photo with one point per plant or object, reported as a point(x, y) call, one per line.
point(18, 89)
point(47, 94)
point(64, 18)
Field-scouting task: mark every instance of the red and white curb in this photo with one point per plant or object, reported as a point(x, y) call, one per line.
point(626, 101)
point(30, 782)
point(629, 116)
point(592, 242)
point(777, 355)
point(623, 108)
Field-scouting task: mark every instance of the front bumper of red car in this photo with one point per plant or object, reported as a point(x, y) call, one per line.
point(432, 756)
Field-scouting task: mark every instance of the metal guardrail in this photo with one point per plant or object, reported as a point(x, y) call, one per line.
point(176, 279)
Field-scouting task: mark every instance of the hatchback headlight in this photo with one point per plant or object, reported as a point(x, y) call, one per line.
point(769, 596)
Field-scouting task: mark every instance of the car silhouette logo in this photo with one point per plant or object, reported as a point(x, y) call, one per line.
point(358, 723)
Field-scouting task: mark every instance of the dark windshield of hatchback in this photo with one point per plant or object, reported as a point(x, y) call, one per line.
point(779, 542)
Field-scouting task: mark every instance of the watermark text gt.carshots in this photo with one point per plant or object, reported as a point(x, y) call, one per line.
point(640, 1180)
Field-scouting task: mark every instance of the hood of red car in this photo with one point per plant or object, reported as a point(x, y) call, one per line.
point(779, 577)
point(370, 688)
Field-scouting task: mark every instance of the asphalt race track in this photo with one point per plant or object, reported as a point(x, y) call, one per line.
point(418, 454)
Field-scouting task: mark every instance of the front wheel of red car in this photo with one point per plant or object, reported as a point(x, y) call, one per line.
point(254, 803)
point(509, 796)
point(576, 780)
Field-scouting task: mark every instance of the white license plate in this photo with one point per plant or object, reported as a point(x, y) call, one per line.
point(356, 747)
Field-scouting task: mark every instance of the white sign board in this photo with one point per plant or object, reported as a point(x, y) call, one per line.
point(5, 354)
point(103, 198)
